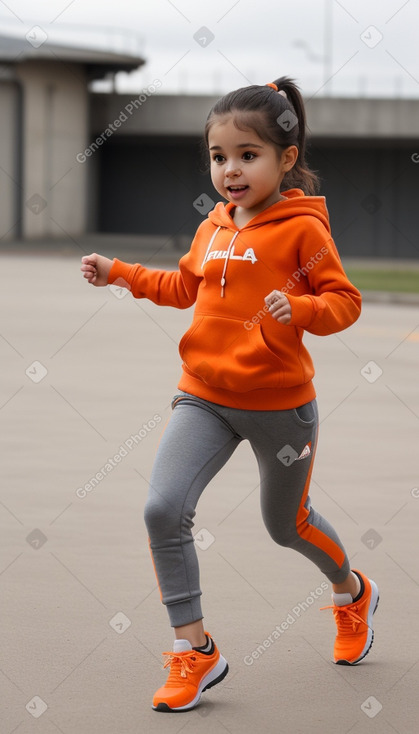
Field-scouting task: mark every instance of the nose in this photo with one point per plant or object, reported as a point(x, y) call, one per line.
point(232, 170)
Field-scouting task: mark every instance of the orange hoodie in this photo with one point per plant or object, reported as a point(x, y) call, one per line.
point(235, 353)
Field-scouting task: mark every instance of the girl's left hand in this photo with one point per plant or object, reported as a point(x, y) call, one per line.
point(279, 306)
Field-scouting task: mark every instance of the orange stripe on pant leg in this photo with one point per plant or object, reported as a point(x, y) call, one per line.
point(309, 532)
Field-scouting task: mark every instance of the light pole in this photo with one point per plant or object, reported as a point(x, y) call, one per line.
point(327, 57)
point(328, 43)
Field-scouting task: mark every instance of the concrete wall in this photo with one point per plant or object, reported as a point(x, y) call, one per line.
point(185, 115)
point(371, 193)
point(55, 125)
point(363, 118)
point(9, 161)
point(148, 186)
point(158, 115)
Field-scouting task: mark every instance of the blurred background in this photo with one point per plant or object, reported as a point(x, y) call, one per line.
point(102, 108)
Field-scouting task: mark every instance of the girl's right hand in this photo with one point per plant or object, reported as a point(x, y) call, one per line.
point(96, 268)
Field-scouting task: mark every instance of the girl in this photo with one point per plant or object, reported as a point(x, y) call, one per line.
point(261, 269)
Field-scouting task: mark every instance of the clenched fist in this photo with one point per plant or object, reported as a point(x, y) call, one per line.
point(96, 268)
point(279, 306)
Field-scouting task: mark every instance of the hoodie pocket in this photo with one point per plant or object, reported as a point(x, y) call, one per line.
point(223, 353)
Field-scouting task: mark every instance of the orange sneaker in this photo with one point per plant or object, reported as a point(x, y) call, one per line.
point(191, 673)
point(354, 622)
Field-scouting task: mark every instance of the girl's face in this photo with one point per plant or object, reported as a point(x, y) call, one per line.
point(244, 168)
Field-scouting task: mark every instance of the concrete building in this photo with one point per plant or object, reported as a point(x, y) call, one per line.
point(44, 122)
point(74, 161)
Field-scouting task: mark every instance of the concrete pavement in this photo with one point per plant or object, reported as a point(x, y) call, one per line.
point(88, 376)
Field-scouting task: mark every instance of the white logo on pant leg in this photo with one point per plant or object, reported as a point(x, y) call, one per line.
point(305, 452)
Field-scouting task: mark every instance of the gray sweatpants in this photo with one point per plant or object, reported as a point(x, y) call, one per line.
point(198, 440)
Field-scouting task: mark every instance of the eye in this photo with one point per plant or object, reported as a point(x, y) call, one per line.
point(218, 158)
point(248, 156)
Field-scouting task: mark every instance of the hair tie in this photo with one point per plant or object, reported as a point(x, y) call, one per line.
point(280, 91)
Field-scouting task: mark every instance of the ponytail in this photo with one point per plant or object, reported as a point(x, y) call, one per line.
point(276, 113)
point(300, 173)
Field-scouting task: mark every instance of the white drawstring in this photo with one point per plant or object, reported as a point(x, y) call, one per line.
point(209, 246)
point(223, 279)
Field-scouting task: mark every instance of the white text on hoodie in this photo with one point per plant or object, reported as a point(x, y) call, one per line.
point(222, 254)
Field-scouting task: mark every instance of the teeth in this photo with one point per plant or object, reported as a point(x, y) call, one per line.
point(237, 188)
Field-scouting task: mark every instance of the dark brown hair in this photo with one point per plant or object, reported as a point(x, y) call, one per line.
point(276, 119)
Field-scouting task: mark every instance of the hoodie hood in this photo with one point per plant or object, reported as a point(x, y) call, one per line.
point(296, 204)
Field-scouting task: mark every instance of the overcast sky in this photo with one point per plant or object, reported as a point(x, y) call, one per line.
point(332, 47)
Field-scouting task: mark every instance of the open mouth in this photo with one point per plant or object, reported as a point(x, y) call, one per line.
point(237, 193)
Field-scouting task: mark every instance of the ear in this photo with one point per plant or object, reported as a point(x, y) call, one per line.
point(289, 157)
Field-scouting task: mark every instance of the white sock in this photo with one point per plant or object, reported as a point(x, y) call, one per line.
point(342, 600)
point(181, 645)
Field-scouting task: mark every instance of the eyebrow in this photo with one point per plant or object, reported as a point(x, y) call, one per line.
point(242, 145)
